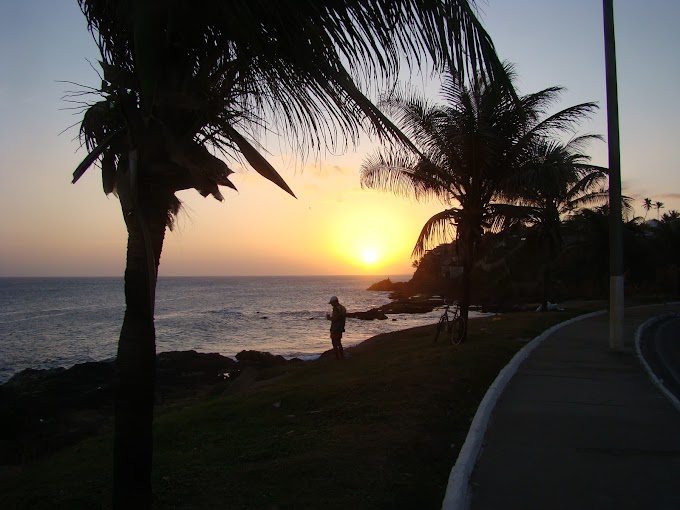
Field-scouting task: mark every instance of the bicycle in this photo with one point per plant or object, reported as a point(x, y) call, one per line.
point(452, 323)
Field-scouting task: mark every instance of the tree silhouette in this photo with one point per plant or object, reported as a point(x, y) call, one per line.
point(647, 205)
point(467, 149)
point(557, 180)
point(658, 206)
point(671, 215)
point(187, 84)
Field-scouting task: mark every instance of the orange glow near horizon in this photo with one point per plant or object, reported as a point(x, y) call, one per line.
point(370, 240)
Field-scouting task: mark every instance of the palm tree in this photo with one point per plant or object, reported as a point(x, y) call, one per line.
point(587, 243)
point(557, 179)
point(647, 205)
point(467, 150)
point(184, 83)
point(658, 206)
point(666, 239)
point(670, 216)
point(587, 240)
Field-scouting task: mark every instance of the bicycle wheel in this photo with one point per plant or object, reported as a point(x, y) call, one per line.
point(440, 327)
point(457, 330)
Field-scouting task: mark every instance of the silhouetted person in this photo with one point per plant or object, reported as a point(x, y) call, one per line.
point(337, 319)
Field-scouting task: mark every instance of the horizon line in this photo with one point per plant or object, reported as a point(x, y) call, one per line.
point(215, 276)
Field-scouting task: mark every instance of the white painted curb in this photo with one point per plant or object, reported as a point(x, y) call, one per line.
point(456, 497)
point(638, 336)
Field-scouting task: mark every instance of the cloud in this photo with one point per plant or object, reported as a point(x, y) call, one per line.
point(638, 193)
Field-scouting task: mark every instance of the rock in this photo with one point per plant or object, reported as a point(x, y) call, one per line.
point(261, 359)
point(33, 375)
point(372, 314)
point(85, 385)
point(174, 365)
point(37, 408)
point(382, 285)
point(40, 409)
point(415, 304)
point(330, 354)
point(397, 290)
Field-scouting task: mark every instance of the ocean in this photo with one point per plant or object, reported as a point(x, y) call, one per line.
point(58, 322)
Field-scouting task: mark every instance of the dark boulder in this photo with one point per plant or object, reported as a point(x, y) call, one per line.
point(372, 314)
point(260, 359)
point(33, 376)
point(415, 304)
point(41, 410)
point(38, 408)
point(397, 290)
point(174, 365)
point(85, 385)
point(382, 285)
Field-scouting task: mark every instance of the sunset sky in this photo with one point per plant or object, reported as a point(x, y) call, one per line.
point(49, 227)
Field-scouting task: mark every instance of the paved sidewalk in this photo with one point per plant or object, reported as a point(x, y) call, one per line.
point(581, 427)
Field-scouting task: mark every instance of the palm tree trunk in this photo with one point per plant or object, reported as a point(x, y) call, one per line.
point(136, 362)
point(546, 287)
point(468, 258)
point(547, 260)
point(465, 301)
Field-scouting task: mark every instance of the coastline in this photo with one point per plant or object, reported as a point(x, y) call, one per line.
point(39, 404)
point(59, 322)
point(278, 421)
point(193, 361)
point(283, 416)
point(418, 306)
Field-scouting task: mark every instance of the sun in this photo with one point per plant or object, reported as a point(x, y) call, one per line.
point(369, 256)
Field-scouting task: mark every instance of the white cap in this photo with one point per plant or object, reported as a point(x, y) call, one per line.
point(333, 299)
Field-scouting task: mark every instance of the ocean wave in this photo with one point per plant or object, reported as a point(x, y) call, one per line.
point(224, 315)
point(225, 312)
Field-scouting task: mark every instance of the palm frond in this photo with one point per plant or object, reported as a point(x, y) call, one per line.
point(578, 144)
point(439, 228)
point(564, 119)
point(93, 156)
point(290, 52)
point(594, 199)
point(504, 216)
point(258, 162)
point(402, 173)
point(592, 178)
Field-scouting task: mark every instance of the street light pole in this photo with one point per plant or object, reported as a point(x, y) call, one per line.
point(615, 214)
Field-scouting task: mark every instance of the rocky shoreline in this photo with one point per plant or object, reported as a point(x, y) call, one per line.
point(42, 410)
point(413, 304)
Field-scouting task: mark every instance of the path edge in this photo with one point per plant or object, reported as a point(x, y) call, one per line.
point(650, 373)
point(456, 496)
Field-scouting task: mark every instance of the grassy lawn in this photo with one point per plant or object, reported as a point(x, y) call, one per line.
point(381, 429)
